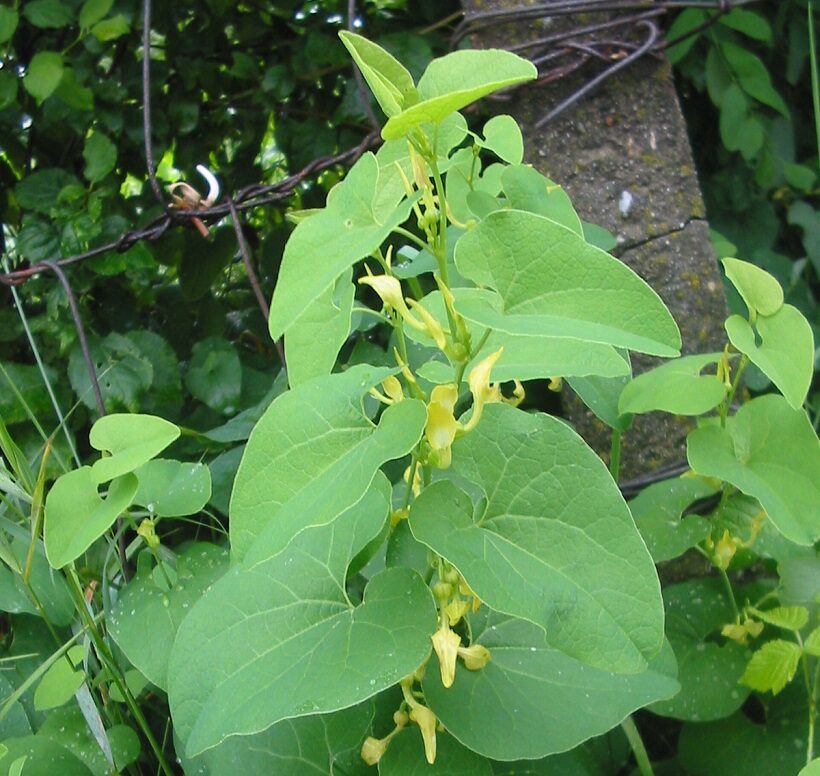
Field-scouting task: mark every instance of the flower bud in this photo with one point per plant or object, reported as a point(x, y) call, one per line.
point(373, 749)
point(455, 611)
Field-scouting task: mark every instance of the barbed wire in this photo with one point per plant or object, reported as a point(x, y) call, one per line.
point(556, 56)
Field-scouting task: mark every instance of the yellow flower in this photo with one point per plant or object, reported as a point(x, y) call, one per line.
point(455, 611)
point(373, 749)
point(441, 427)
point(147, 532)
point(427, 722)
point(389, 290)
point(430, 325)
point(483, 392)
point(474, 657)
point(725, 550)
point(446, 643)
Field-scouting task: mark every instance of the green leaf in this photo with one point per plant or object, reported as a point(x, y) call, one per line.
point(15, 722)
point(812, 643)
point(387, 78)
point(785, 353)
point(100, 156)
point(314, 340)
point(554, 543)
point(601, 395)
point(324, 743)
point(770, 451)
point(76, 515)
point(94, 10)
point(527, 189)
point(502, 136)
point(278, 638)
point(43, 757)
point(111, 29)
point(9, 18)
point(812, 769)
point(572, 290)
point(39, 190)
point(66, 726)
point(146, 617)
point(676, 387)
point(688, 20)
point(313, 454)
point(172, 488)
point(751, 24)
point(352, 225)
point(405, 757)
point(48, 13)
point(214, 375)
point(44, 73)
point(452, 82)
point(759, 290)
point(708, 670)
point(753, 76)
point(124, 373)
point(61, 681)
point(773, 666)
point(792, 618)
point(28, 380)
point(658, 513)
point(529, 700)
point(165, 396)
point(737, 745)
point(131, 440)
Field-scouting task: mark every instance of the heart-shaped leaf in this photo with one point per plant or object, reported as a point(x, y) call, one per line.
point(145, 619)
point(173, 488)
point(131, 440)
point(352, 225)
point(405, 757)
point(530, 700)
point(759, 290)
point(452, 82)
point(502, 136)
point(785, 353)
point(76, 514)
point(677, 387)
point(550, 281)
point(278, 638)
point(770, 451)
point(527, 189)
point(554, 543)
point(314, 453)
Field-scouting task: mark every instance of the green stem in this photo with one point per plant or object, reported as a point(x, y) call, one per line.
point(815, 78)
point(727, 403)
point(412, 476)
point(441, 248)
point(638, 749)
point(75, 589)
point(615, 454)
point(408, 235)
point(729, 592)
point(804, 660)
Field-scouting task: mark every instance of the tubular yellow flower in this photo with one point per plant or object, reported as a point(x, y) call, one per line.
point(446, 644)
point(483, 392)
point(392, 387)
point(455, 611)
point(389, 290)
point(373, 749)
point(474, 657)
point(725, 550)
point(427, 722)
point(441, 427)
point(430, 325)
point(147, 532)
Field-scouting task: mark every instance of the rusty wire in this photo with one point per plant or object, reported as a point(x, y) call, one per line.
point(565, 52)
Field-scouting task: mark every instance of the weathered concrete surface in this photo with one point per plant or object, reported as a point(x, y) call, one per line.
point(623, 156)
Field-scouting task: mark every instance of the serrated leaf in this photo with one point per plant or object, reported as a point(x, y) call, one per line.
point(405, 757)
point(770, 451)
point(130, 440)
point(658, 513)
point(570, 289)
point(314, 340)
point(145, 619)
point(518, 705)
point(324, 743)
point(452, 82)
point(391, 83)
point(173, 488)
point(558, 550)
point(277, 638)
point(781, 346)
point(708, 671)
point(527, 189)
point(94, 10)
point(792, 618)
point(352, 225)
point(677, 387)
point(502, 136)
point(772, 667)
point(100, 156)
point(313, 454)
point(812, 643)
point(759, 290)
point(43, 74)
